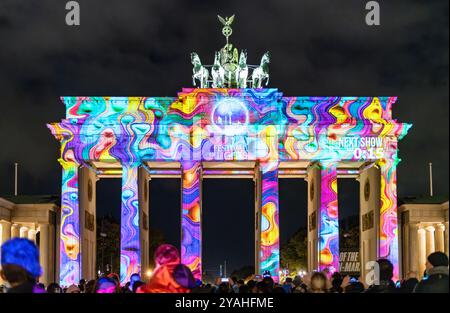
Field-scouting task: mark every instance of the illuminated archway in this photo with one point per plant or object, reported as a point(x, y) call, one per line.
point(262, 134)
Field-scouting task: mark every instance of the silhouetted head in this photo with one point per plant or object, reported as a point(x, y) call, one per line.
point(318, 282)
point(224, 288)
point(437, 259)
point(136, 285)
point(356, 287)
point(166, 254)
point(183, 276)
point(90, 286)
point(106, 285)
point(54, 288)
point(386, 269)
point(134, 278)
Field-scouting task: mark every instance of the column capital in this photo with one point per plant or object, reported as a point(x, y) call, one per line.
point(328, 164)
point(387, 162)
point(366, 166)
point(313, 164)
point(430, 228)
point(266, 166)
point(130, 163)
point(189, 164)
point(68, 162)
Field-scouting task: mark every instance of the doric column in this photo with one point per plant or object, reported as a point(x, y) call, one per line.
point(5, 231)
point(130, 247)
point(32, 235)
point(446, 238)
point(422, 256)
point(429, 240)
point(44, 253)
point(413, 247)
point(5, 234)
point(87, 203)
point(328, 219)
point(143, 188)
point(53, 255)
point(70, 250)
point(257, 181)
point(388, 223)
point(24, 232)
point(268, 220)
point(15, 230)
point(191, 217)
point(439, 238)
point(313, 178)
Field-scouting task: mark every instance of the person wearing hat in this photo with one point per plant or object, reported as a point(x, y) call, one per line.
point(20, 266)
point(437, 275)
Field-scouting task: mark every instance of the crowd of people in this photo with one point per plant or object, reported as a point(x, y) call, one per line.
point(21, 270)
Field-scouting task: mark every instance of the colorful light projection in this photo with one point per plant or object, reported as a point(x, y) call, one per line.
point(230, 125)
point(270, 233)
point(388, 231)
point(130, 252)
point(191, 233)
point(70, 258)
point(329, 220)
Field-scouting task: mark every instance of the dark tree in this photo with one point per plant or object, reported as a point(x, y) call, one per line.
point(156, 239)
point(108, 244)
point(244, 272)
point(294, 252)
point(349, 233)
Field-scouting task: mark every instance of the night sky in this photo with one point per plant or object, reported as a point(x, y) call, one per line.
point(142, 47)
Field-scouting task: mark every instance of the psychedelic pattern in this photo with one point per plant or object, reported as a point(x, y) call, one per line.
point(130, 252)
point(388, 231)
point(270, 234)
point(191, 218)
point(231, 125)
point(70, 258)
point(329, 220)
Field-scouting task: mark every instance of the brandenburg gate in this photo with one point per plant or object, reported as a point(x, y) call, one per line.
point(229, 126)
